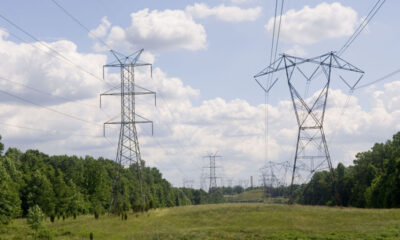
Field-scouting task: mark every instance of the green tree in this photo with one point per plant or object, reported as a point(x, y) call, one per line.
point(39, 191)
point(35, 217)
point(9, 197)
point(62, 194)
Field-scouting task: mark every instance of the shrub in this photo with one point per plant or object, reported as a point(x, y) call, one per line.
point(35, 217)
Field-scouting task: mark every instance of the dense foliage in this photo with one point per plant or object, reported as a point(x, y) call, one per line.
point(373, 181)
point(64, 186)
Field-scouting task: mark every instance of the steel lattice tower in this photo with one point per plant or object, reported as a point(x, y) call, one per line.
point(312, 152)
point(212, 177)
point(128, 151)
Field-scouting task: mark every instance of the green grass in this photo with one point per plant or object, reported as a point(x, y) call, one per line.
point(228, 221)
point(255, 195)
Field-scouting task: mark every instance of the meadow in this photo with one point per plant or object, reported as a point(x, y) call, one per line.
point(226, 221)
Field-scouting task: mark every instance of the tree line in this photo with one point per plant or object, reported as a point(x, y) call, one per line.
point(373, 181)
point(68, 186)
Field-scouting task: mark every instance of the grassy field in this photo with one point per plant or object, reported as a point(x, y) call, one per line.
point(255, 195)
point(228, 221)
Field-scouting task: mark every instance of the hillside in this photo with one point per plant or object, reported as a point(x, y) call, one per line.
point(255, 195)
point(252, 196)
point(228, 221)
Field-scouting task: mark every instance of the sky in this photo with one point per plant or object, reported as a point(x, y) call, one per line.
point(204, 56)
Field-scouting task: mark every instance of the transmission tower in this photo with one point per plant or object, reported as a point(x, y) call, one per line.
point(128, 151)
point(212, 176)
point(187, 183)
point(313, 75)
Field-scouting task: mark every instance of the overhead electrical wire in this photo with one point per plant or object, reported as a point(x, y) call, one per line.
point(279, 30)
point(379, 79)
point(87, 30)
point(80, 23)
point(49, 131)
point(361, 27)
point(60, 55)
point(345, 46)
point(105, 44)
point(54, 53)
point(44, 92)
point(48, 108)
point(266, 94)
point(272, 58)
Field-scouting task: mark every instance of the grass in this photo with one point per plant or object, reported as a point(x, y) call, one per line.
point(255, 195)
point(228, 221)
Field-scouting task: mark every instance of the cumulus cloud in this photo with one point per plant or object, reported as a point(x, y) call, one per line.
point(159, 30)
point(224, 13)
point(168, 29)
point(101, 30)
point(297, 51)
point(36, 65)
point(184, 132)
point(310, 25)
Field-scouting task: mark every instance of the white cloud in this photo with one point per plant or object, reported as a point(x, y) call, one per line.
point(35, 65)
point(101, 30)
point(185, 131)
point(159, 30)
point(310, 25)
point(297, 51)
point(224, 13)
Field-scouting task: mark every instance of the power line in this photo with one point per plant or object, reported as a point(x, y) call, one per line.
point(105, 44)
point(60, 55)
point(273, 33)
point(44, 92)
point(274, 50)
point(279, 30)
point(347, 44)
point(361, 27)
point(47, 108)
point(380, 79)
point(49, 131)
point(167, 155)
point(80, 23)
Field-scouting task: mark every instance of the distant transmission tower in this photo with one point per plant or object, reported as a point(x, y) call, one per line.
point(187, 183)
point(303, 76)
point(212, 177)
point(128, 151)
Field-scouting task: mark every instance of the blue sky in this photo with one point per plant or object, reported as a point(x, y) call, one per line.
point(204, 72)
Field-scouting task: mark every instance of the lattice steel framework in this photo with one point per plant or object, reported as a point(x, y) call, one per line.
point(312, 152)
point(274, 174)
point(212, 175)
point(128, 151)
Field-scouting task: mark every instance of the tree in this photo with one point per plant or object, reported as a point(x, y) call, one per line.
point(39, 191)
point(35, 217)
point(62, 194)
point(9, 197)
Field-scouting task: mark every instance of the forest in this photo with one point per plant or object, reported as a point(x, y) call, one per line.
point(373, 181)
point(68, 186)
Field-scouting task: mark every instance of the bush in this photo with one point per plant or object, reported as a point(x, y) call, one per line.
point(35, 217)
point(45, 234)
